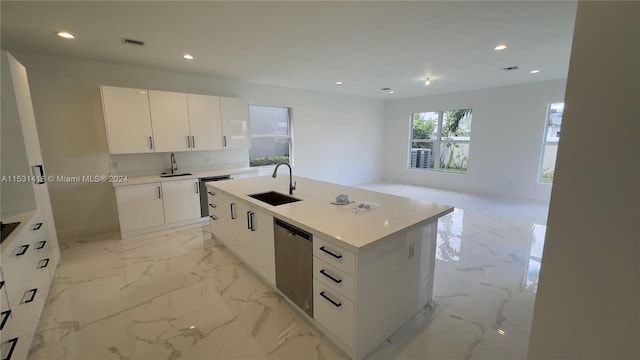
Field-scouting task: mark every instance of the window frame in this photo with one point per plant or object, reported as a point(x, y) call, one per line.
point(437, 142)
point(275, 136)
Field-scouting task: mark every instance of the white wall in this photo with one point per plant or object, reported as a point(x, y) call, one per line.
point(336, 138)
point(506, 139)
point(588, 302)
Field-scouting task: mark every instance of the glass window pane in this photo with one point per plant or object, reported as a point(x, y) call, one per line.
point(551, 138)
point(269, 120)
point(424, 126)
point(268, 151)
point(454, 157)
point(554, 122)
point(421, 155)
point(548, 162)
point(456, 125)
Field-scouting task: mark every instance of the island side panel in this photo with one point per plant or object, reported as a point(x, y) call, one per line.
point(394, 281)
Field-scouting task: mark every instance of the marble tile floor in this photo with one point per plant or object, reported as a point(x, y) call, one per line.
point(178, 294)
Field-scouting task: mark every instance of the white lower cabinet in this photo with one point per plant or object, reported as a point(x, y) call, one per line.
point(181, 200)
point(264, 256)
point(28, 265)
point(333, 311)
point(139, 206)
point(246, 231)
point(146, 206)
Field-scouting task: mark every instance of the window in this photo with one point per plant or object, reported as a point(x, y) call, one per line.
point(440, 140)
point(270, 135)
point(550, 146)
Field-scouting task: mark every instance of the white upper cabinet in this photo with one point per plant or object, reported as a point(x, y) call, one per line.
point(127, 120)
point(139, 121)
point(205, 123)
point(170, 121)
point(235, 123)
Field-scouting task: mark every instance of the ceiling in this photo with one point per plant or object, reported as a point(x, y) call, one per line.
point(310, 45)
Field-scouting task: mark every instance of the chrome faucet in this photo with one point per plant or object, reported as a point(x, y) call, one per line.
point(292, 185)
point(174, 164)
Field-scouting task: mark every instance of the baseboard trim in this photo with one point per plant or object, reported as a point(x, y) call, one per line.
point(77, 232)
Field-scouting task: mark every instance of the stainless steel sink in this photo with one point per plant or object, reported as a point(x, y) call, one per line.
point(274, 198)
point(172, 175)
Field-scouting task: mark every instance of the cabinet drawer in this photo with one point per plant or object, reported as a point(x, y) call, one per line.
point(334, 255)
point(336, 279)
point(333, 311)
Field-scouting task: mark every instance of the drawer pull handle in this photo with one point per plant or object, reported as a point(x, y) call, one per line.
point(337, 256)
point(211, 193)
point(213, 205)
point(23, 250)
point(43, 263)
point(13, 342)
point(5, 317)
point(36, 226)
point(336, 304)
point(213, 217)
point(41, 245)
point(336, 280)
point(31, 297)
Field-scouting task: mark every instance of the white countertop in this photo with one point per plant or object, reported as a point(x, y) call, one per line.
point(315, 213)
point(120, 180)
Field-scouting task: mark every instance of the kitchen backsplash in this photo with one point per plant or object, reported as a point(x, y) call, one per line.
point(157, 163)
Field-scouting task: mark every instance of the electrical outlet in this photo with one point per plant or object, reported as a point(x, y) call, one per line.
point(412, 250)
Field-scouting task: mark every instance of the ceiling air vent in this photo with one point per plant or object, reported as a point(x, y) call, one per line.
point(510, 68)
point(132, 42)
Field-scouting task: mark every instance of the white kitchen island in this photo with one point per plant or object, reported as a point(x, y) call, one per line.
point(373, 269)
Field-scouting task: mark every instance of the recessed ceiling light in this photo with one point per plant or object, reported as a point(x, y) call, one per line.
point(66, 35)
point(500, 47)
point(428, 81)
point(536, 71)
point(391, 92)
point(188, 56)
point(339, 83)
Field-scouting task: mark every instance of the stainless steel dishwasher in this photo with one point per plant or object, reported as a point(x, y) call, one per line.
point(294, 264)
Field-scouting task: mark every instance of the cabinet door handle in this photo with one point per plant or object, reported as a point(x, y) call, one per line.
point(232, 206)
point(30, 297)
point(193, 142)
point(335, 303)
point(213, 217)
point(23, 250)
point(337, 256)
point(43, 263)
point(38, 170)
point(13, 342)
point(336, 280)
point(5, 317)
point(213, 205)
point(224, 140)
point(150, 142)
point(159, 193)
point(41, 244)
point(253, 228)
point(36, 226)
point(197, 187)
point(249, 220)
